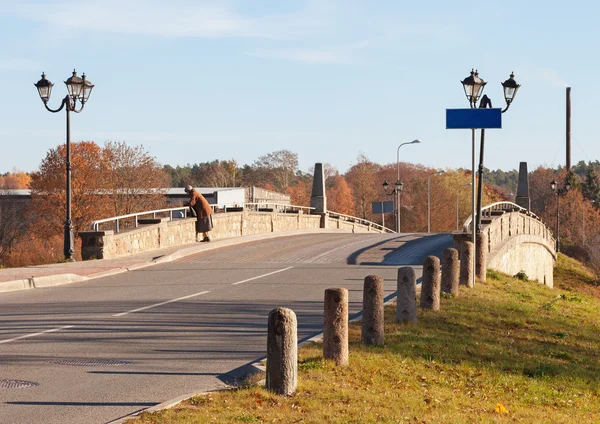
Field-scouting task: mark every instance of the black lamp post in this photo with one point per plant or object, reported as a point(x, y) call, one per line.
point(473, 86)
point(395, 191)
point(559, 191)
point(79, 89)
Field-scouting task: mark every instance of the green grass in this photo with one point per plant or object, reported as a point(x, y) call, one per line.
point(505, 351)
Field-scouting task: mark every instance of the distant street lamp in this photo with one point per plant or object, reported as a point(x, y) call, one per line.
point(473, 86)
point(464, 185)
point(559, 191)
point(399, 192)
point(429, 198)
point(395, 191)
point(79, 89)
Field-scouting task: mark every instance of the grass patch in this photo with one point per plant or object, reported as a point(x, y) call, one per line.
point(506, 351)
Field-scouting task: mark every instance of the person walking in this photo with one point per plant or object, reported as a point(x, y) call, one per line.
point(203, 212)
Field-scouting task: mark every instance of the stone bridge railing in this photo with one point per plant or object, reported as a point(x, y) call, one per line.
point(156, 233)
point(513, 240)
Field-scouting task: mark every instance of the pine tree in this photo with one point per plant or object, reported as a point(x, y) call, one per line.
point(591, 189)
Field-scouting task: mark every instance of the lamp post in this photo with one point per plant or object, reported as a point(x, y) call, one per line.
point(79, 89)
point(395, 191)
point(429, 199)
point(398, 193)
point(473, 86)
point(559, 191)
point(464, 185)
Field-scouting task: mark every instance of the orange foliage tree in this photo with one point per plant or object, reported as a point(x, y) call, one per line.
point(339, 195)
point(15, 180)
point(116, 179)
point(362, 179)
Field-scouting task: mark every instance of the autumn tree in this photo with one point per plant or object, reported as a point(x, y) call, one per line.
point(339, 195)
point(361, 178)
point(15, 180)
point(114, 180)
point(133, 179)
point(88, 182)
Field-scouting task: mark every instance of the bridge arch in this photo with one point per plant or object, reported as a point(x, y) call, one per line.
point(515, 240)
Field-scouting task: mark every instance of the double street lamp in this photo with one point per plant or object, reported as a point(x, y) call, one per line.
point(79, 90)
point(559, 191)
point(473, 86)
point(395, 191)
point(429, 198)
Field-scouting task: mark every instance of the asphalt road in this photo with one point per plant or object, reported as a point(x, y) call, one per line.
point(101, 350)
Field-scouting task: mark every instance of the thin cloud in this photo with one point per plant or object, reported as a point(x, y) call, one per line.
point(18, 64)
point(175, 19)
point(551, 76)
point(346, 54)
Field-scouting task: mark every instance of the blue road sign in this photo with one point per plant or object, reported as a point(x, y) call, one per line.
point(382, 207)
point(473, 118)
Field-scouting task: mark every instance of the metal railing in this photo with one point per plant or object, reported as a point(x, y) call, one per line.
point(487, 212)
point(269, 207)
point(357, 220)
point(132, 220)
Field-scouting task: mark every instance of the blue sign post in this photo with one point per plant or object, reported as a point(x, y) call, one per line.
point(382, 208)
point(473, 119)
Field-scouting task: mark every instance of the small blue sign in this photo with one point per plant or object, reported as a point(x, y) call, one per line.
point(473, 118)
point(382, 207)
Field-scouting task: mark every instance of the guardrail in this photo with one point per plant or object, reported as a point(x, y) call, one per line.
point(182, 212)
point(361, 221)
point(488, 210)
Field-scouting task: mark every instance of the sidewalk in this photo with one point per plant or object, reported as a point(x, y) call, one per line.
point(32, 277)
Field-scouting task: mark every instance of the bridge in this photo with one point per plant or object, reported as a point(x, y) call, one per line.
point(99, 350)
point(512, 239)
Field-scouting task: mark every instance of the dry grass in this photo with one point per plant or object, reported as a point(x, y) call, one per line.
point(506, 351)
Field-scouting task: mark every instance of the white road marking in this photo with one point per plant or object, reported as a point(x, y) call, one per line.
point(37, 334)
point(64, 327)
point(261, 276)
point(160, 304)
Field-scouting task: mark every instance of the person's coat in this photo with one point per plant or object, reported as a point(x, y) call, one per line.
point(200, 205)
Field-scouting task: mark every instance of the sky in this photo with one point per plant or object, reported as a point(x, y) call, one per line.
point(194, 81)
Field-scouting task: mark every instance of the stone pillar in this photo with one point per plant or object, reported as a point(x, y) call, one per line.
point(450, 271)
point(282, 352)
point(335, 328)
point(466, 265)
point(481, 264)
point(318, 199)
point(372, 322)
point(522, 197)
point(406, 302)
point(430, 287)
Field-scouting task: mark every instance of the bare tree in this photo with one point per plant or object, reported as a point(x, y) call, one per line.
point(279, 167)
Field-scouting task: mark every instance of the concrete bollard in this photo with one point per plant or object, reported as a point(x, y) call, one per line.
point(481, 264)
point(406, 302)
point(335, 328)
point(430, 287)
point(372, 323)
point(282, 352)
point(450, 271)
point(466, 265)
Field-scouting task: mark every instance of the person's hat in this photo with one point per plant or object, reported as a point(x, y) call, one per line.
point(188, 189)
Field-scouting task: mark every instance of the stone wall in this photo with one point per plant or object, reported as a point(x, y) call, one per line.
point(518, 242)
point(108, 245)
